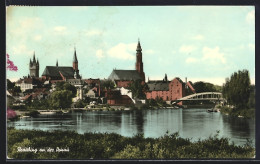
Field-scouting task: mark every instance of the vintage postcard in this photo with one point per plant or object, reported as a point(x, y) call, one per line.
point(130, 82)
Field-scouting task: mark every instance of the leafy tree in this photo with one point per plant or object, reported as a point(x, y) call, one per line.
point(204, 87)
point(80, 104)
point(17, 89)
point(66, 86)
point(40, 104)
point(138, 89)
point(251, 101)
point(237, 89)
point(10, 85)
point(61, 99)
point(107, 84)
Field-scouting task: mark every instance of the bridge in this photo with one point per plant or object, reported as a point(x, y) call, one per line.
point(211, 96)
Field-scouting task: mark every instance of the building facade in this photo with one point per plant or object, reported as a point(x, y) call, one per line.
point(169, 90)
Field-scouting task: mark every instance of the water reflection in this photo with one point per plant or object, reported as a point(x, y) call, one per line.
point(190, 123)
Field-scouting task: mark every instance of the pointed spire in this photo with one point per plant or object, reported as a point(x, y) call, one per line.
point(165, 77)
point(34, 61)
point(138, 46)
point(37, 62)
point(57, 64)
point(75, 56)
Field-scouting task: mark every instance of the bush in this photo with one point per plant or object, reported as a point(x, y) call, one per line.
point(32, 113)
point(111, 145)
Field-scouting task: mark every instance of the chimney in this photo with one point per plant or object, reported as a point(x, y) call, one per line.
point(186, 82)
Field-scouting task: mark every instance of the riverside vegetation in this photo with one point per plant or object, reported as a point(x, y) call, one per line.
point(115, 146)
point(240, 95)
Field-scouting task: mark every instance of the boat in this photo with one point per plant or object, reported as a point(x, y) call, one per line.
point(213, 110)
point(25, 116)
point(127, 109)
point(47, 112)
point(65, 111)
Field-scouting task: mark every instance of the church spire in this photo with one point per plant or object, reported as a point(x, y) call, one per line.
point(75, 62)
point(75, 56)
point(139, 61)
point(34, 61)
point(57, 64)
point(165, 77)
point(138, 49)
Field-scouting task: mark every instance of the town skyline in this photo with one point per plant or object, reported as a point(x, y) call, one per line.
point(107, 39)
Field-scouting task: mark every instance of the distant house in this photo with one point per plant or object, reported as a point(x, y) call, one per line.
point(36, 94)
point(94, 84)
point(28, 83)
point(169, 90)
point(114, 97)
point(91, 93)
point(122, 78)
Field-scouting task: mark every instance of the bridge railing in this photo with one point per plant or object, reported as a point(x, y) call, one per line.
point(203, 96)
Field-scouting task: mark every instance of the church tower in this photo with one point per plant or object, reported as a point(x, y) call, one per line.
point(139, 61)
point(34, 67)
point(75, 65)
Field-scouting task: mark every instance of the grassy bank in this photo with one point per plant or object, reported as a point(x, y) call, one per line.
point(247, 113)
point(114, 146)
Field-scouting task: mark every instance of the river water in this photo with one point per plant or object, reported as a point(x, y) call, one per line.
point(190, 123)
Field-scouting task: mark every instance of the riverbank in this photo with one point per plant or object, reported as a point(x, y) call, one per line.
point(245, 113)
point(115, 146)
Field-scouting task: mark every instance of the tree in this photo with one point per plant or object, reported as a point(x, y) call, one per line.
point(204, 87)
point(10, 85)
point(108, 84)
point(138, 89)
point(80, 104)
point(17, 89)
point(61, 99)
point(237, 89)
point(66, 86)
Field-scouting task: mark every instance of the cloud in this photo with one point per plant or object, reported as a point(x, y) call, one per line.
point(22, 30)
point(93, 32)
point(99, 54)
point(123, 51)
point(250, 18)
point(251, 46)
point(148, 51)
point(198, 37)
point(60, 30)
point(187, 49)
point(37, 37)
point(191, 60)
point(210, 55)
point(22, 50)
point(29, 23)
point(213, 55)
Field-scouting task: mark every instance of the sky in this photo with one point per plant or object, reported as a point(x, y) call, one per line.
point(202, 43)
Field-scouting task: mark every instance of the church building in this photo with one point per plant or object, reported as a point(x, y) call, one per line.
point(62, 73)
point(123, 77)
